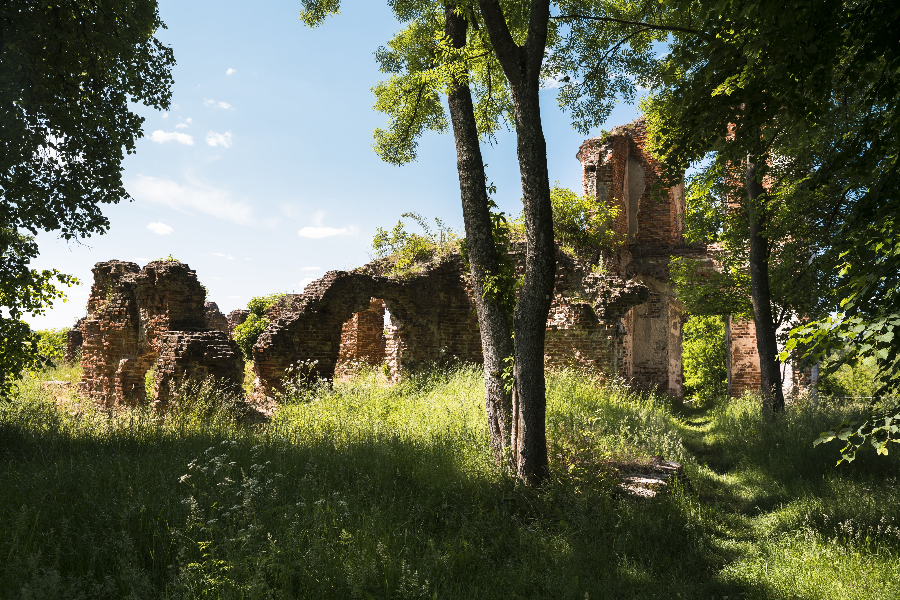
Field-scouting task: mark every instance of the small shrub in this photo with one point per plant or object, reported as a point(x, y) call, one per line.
point(409, 249)
point(51, 344)
point(581, 224)
point(246, 334)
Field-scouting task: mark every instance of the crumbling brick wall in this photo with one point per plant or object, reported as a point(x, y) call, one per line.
point(618, 171)
point(362, 339)
point(235, 318)
point(215, 320)
point(130, 310)
point(741, 357)
point(193, 357)
point(432, 321)
point(340, 318)
point(74, 340)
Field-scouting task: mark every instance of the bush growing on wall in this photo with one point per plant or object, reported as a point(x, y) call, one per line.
point(246, 334)
point(411, 248)
point(581, 224)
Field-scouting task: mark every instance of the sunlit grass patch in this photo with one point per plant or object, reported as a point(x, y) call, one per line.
point(372, 489)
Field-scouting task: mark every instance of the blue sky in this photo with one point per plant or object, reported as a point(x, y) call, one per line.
point(261, 177)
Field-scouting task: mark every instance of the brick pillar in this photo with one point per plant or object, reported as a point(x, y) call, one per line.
point(741, 357)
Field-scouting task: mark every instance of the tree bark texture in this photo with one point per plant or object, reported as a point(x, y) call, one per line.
point(522, 67)
point(760, 292)
point(496, 341)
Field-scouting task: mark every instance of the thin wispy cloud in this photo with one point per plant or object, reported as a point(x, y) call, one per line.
point(220, 104)
point(222, 255)
point(230, 71)
point(161, 137)
point(191, 197)
point(219, 139)
point(160, 228)
point(319, 231)
point(305, 282)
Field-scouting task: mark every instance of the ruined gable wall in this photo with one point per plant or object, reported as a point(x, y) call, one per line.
point(130, 312)
point(110, 330)
point(660, 220)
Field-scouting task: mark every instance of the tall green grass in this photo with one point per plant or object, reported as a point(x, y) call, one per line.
point(372, 490)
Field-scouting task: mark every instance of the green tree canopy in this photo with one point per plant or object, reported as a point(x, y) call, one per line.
point(68, 71)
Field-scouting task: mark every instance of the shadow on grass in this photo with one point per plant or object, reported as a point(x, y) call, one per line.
point(239, 512)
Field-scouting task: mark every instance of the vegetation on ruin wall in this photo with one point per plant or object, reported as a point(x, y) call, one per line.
point(366, 490)
point(581, 226)
point(246, 334)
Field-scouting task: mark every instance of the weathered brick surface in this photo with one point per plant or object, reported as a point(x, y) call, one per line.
point(235, 318)
point(362, 339)
point(340, 320)
point(432, 322)
point(215, 320)
point(742, 358)
point(618, 170)
point(74, 340)
point(193, 357)
point(129, 311)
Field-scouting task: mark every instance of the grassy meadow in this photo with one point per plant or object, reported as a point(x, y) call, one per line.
point(371, 490)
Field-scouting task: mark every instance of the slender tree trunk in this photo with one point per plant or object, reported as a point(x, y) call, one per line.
point(760, 292)
point(522, 65)
point(496, 342)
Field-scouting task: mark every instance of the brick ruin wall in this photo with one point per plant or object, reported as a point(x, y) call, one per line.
point(362, 339)
point(131, 312)
point(627, 322)
point(618, 171)
point(432, 321)
point(339, 322)
point(741, 357)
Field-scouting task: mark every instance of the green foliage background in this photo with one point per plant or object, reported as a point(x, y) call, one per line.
point(703, 357)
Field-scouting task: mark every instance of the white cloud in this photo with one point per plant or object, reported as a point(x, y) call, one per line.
point(311, 269)
point(175, 107)
point(222, 255)
point(161, 137)
point(303, 283)
point(219, 139)
point(230, 71)
point(190, 197)
point(323, 232)
point(219, 104)
point(181, 126)
point(320, 231)
point(165, 115)
point(160, 228)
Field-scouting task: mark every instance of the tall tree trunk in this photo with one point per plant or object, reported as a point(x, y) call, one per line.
point(496, 342)
point(760, 292)
point(522, 66)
